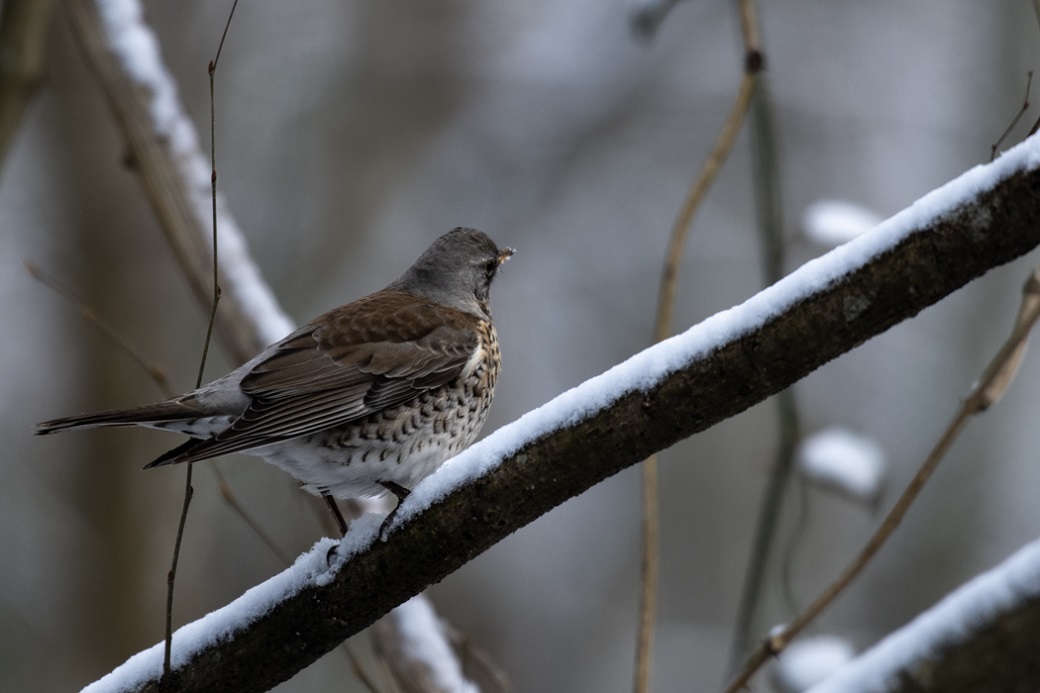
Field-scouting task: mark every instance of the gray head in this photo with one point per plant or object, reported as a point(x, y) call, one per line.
point(456, 271)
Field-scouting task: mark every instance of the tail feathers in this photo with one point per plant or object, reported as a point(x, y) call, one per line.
point(155, 415)
point(172, 415)
point(175, 456)
point(199, 449)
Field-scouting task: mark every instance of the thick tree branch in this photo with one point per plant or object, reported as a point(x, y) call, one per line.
point(987, 645)
point(999, 657)
point(796, 334)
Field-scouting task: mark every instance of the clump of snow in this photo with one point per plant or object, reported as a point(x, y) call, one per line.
point(809, 660)
point(959, 614)
point(844, 461)
point(833, 222)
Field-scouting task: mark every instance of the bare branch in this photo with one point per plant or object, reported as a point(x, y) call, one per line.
point(663, 326)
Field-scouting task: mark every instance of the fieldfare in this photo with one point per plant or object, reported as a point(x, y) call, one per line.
point(368, 398)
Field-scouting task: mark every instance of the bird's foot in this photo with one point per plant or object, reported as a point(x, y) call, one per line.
point(336, 514)
point(331, 553)
point(401, 493)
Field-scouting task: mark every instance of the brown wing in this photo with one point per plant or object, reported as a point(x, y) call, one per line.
point(374, 354)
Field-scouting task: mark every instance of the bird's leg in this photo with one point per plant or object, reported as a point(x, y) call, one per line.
point(401, 493)
point(331, 502)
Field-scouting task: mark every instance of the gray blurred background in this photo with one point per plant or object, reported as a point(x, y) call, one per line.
point(350, 134)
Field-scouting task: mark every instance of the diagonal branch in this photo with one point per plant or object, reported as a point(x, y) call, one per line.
point(163, 148)
point(671, 391)
point(980, 637)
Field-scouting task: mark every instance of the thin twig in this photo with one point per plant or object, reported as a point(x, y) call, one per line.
point(171, 170)
point(158, 375)
point(649, 570)
point(662, 327)
point(155, 372)
point(987, 391)
point(359, 671)
point(696, 194)
point(770, 222)
point(171, 576)
point(188, 490)
point(1014, 121)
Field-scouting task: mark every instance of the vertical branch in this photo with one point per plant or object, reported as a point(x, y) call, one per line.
point(23, 30)
point(770, 223)
point(171, 576)
point(662, 328)
point(189, 492)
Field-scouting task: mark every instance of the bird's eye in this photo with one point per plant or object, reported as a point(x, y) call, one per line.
point(490, 267)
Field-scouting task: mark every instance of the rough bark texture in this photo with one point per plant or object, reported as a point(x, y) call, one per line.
point(999, 657)
point(925, 267)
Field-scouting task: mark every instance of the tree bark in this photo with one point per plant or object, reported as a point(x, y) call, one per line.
point(998, 657)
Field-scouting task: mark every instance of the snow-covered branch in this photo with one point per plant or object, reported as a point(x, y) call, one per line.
point(982, 637)
point(675, 389)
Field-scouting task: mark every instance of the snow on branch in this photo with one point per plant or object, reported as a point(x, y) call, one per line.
point(975, 639)
point(680, 387)
point(164, 149)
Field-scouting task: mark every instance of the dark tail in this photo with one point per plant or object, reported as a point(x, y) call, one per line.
point(150, 415)
point(177, 455)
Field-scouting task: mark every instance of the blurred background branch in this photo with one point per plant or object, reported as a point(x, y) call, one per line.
point(720, 151)
point(990, 387)
point(23, 37)
point(162, 147)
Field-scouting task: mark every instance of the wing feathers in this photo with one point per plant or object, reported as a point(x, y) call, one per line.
point(374, 354)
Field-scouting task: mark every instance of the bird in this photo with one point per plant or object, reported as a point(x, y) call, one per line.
point(367, 399)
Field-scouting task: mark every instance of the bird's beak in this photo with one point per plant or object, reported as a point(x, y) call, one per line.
point(504, 254)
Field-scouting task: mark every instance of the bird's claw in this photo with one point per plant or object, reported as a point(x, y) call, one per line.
point(331, 553)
